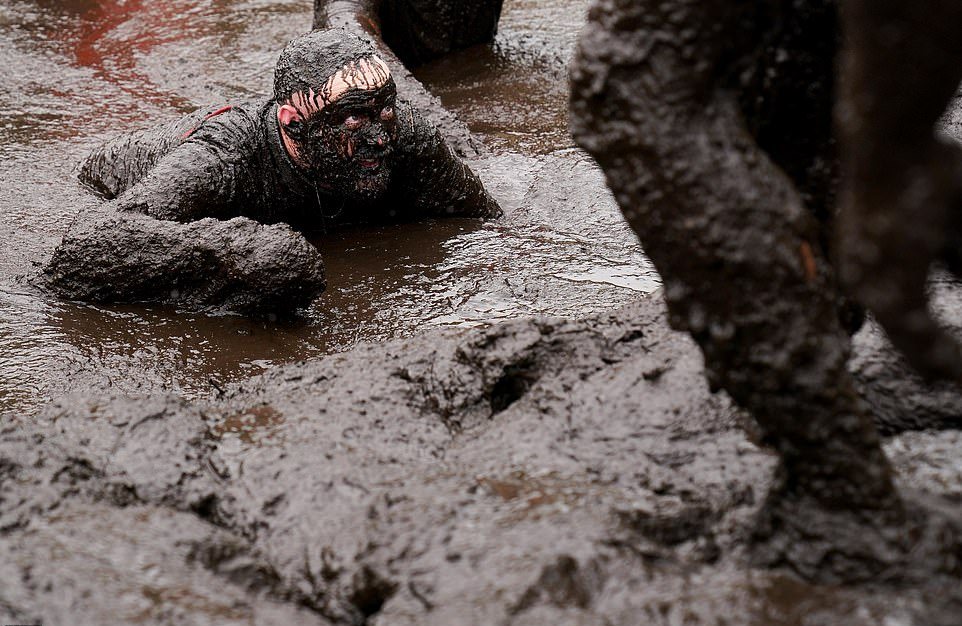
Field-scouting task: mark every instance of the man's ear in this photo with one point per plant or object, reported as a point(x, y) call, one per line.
point(287, 114)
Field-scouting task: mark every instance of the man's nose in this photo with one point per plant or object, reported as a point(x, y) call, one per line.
point(379, 137)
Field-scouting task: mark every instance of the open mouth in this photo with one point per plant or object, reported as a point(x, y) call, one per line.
point(369, 164)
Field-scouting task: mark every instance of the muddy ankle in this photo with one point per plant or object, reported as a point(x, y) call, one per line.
point(908, 541)
point(828, 545)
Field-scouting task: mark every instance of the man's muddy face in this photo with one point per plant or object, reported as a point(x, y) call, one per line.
point(349, 145)
point(345, 132)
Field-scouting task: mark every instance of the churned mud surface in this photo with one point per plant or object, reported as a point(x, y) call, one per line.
point(418, 449)
point(541, 471)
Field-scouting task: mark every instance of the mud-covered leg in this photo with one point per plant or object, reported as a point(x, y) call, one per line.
point(364, 18)
point(740, 260)
point(417, 31)
point(236, 265)
point(422, 30)
point(901, 196)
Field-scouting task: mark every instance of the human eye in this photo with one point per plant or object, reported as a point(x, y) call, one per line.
point(353, 121)
point(387, 113)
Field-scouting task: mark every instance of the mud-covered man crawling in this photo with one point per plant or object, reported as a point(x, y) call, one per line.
point(201, 209)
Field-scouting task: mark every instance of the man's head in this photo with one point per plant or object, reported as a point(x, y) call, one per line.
point(336, 112)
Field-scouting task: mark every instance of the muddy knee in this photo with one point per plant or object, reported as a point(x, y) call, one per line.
point(421, 30)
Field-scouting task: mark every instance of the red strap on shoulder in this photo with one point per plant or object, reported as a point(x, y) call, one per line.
point(193, 130)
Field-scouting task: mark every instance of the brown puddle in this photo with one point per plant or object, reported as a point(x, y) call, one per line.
point(82, 70)
point(249, 425)
point(515, 93)
point(531, 497)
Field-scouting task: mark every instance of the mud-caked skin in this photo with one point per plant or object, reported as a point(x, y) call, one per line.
point(334, 146)
point(416, 31)
point(683, 105)
point(903, 184)
point(422, 30)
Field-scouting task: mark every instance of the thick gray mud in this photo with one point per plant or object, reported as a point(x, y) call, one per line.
point(472, 468)
point(534, 472)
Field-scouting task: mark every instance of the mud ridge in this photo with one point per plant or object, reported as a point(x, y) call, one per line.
point(536, 471)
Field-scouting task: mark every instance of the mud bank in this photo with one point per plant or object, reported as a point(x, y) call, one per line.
point(537, 471)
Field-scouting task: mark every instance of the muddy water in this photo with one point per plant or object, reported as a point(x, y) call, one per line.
point(76, 71)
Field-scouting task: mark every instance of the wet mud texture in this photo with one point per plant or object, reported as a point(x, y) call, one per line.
point(721, 215)
point(539, 471)
point(899, 397)
point(410, 32)
point(900, 207)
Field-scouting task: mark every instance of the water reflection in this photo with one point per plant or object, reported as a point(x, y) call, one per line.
point(515, 93)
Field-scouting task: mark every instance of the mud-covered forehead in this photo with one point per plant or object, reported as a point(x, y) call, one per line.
point(330, 61)
point(367, 81)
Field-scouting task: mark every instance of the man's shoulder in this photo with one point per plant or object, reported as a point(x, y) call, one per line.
point(233, 123)
point(251, 109)
point(413, 128)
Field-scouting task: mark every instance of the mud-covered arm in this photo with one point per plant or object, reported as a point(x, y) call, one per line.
point(433, 181)
point(201, 177)
point(236, 265)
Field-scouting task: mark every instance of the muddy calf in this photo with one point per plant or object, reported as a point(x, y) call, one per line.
point(687, 106)
point(417, 30)
point(902, 189)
